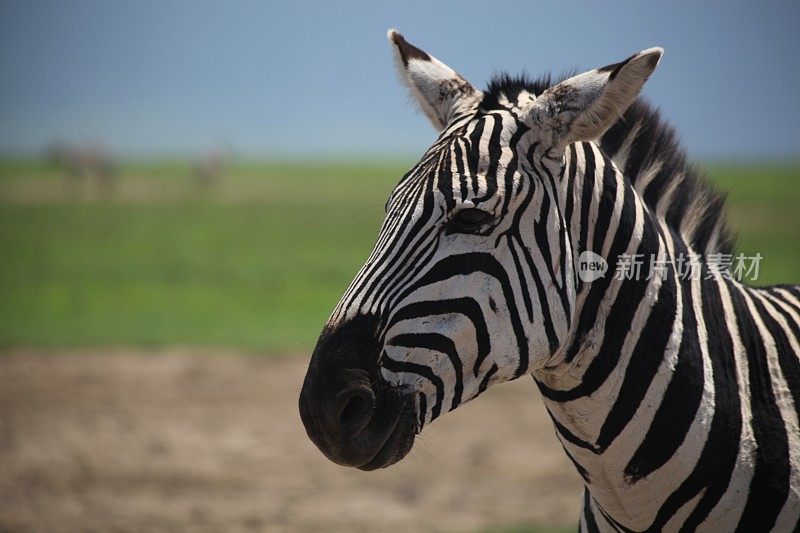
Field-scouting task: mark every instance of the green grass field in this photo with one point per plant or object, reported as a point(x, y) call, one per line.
point(256, 261)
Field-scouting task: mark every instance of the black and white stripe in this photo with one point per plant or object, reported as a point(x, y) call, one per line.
point(676, 399)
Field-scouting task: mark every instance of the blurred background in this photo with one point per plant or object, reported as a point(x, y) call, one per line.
point(187, 187)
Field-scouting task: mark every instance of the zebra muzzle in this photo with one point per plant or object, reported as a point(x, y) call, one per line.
point(349, 411)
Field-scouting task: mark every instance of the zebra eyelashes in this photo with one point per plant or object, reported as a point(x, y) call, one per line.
point(472, 216)
point(469, 220)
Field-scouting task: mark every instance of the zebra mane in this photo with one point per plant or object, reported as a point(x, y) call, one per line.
point(647, 150)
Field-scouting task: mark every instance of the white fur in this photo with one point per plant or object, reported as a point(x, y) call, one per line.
point(583, 107)
point(437, 89)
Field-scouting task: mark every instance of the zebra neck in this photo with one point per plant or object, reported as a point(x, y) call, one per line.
point(605, 387)
point(606, 216)
point(676, 393)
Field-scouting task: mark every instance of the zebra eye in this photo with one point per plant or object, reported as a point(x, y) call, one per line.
point(468, 220)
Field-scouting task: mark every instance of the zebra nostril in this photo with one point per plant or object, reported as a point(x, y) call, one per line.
point(355, 409)
point(352, 409)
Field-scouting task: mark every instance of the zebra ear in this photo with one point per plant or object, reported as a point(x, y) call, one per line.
point(438, 90)
point(586, 105)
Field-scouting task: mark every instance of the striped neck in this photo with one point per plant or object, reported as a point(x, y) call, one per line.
point(625, 338)
point(607, 217)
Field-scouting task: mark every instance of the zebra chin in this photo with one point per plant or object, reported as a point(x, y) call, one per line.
point(349, 411)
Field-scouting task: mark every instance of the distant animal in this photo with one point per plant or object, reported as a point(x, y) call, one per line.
point(79, 164)
point(674, 389)
point(209, 168)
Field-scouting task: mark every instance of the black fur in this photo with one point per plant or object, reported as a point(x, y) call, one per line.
point(407, 50)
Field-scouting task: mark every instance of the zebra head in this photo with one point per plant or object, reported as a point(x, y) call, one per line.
point(473, 278)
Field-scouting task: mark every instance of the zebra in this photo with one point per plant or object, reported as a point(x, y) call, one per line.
point(674, 396)
point(209, 169)
point(79, 163)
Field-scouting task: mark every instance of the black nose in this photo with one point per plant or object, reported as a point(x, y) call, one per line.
point(336, 407)
point(344, 408)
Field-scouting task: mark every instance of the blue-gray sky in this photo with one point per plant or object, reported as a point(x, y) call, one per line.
point(157, 77)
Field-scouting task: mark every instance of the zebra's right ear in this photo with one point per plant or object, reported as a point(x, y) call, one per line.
point(583, 107)
point(438, 90)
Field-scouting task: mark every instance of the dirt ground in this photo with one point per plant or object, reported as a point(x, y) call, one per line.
point(186, 440)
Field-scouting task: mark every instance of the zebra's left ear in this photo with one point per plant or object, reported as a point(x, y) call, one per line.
point(583, 107)
point(438, 90)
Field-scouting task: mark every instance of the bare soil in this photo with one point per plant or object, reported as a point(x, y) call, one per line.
point(184, 440)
